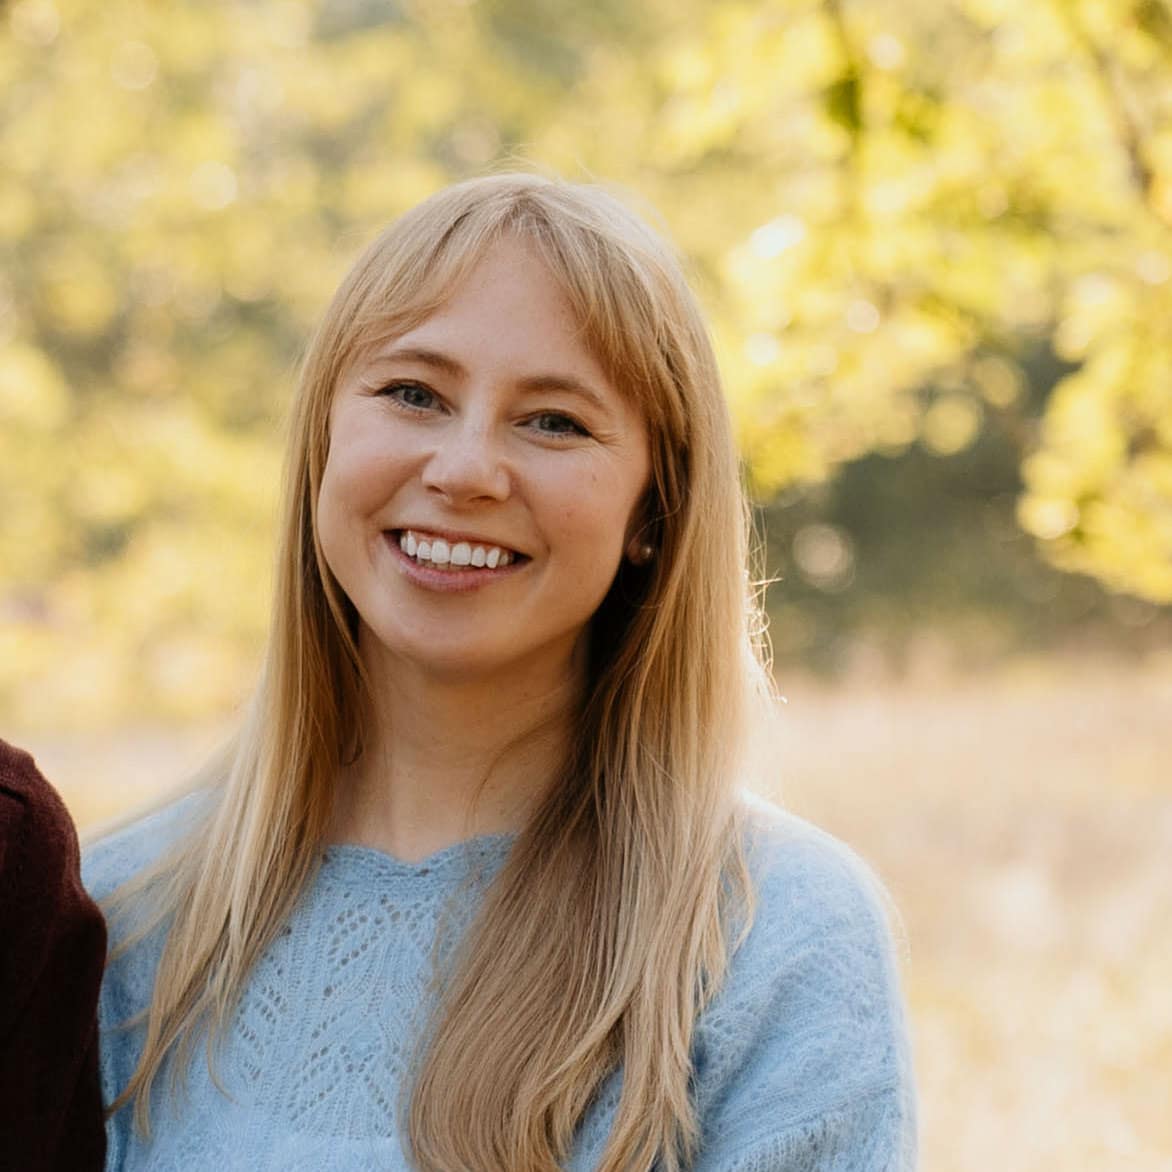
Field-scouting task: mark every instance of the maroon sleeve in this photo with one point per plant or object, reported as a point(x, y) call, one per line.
point(52, 951)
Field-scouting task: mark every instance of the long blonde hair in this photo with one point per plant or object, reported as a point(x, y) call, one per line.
point(635, 851)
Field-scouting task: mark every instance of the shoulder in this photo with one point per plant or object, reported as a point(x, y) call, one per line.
point(134, 924)
point(821, 938)
point(126, 852)
point(809, 885)
point(46, 920)
point(40, 887)
point(808, 1034)
point(136, 937)
point(31, 811)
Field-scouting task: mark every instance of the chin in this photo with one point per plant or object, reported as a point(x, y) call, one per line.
point(456, 661)
point(463, 661)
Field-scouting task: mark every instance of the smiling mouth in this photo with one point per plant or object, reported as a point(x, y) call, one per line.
point(438, 553)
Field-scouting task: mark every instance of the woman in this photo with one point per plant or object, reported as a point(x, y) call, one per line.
point(476, 887)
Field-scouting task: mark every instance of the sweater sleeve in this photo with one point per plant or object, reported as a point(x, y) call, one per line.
point(803, 1061)
point(50, 967)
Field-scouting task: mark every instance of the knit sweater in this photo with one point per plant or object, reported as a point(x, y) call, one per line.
point(52, 941)
point(800, 1063)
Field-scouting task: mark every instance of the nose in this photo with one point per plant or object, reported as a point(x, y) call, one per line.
point(466, 464)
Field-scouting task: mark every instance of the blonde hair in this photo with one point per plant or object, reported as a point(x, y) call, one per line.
point(636, 850)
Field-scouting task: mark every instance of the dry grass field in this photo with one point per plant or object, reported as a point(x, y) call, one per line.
point(1023, 823)
point(1024, 828)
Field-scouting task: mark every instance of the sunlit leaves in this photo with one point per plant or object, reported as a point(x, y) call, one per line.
point(1100, 485)
point(881, 202)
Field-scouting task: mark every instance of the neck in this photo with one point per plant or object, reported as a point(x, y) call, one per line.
point(447, 759)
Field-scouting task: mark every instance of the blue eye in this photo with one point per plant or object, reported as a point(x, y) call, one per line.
point(555, 423)
point(411, 395)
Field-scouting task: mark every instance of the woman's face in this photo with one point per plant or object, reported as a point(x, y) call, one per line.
point(483, 479)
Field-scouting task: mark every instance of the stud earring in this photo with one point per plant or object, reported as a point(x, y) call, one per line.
point(640, 554)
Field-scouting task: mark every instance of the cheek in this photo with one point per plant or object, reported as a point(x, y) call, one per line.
point(348, 496)
point(331, 501)
point(357, 474)
point(595, 530)
point(597, 508)
point(330, 522)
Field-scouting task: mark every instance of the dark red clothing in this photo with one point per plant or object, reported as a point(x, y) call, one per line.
point(52, 951)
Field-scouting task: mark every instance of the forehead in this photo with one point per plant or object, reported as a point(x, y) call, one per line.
point(507, 311)
point(510, 288)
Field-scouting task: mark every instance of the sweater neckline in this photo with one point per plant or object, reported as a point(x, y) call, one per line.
point(348, 857)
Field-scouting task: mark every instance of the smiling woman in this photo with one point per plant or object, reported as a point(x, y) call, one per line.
point(477, 885)
point(488, 426)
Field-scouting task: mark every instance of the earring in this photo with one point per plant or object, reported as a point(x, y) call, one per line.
point(640, 555)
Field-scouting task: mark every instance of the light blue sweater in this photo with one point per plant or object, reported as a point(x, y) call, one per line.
point(801, 1063)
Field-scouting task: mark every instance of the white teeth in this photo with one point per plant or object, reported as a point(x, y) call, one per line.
point(439, 552)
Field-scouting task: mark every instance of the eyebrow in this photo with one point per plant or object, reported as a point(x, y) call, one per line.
point(565, 383)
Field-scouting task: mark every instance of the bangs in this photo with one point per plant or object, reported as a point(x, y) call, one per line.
point(621, 287)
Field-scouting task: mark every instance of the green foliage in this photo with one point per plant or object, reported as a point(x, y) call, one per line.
point(885, 202)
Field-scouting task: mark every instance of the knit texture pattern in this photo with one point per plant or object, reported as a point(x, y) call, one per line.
point(800, 1064)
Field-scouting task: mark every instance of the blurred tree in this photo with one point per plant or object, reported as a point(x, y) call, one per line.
point(888, 206)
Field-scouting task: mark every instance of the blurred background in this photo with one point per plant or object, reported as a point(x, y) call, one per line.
point(934, 238)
